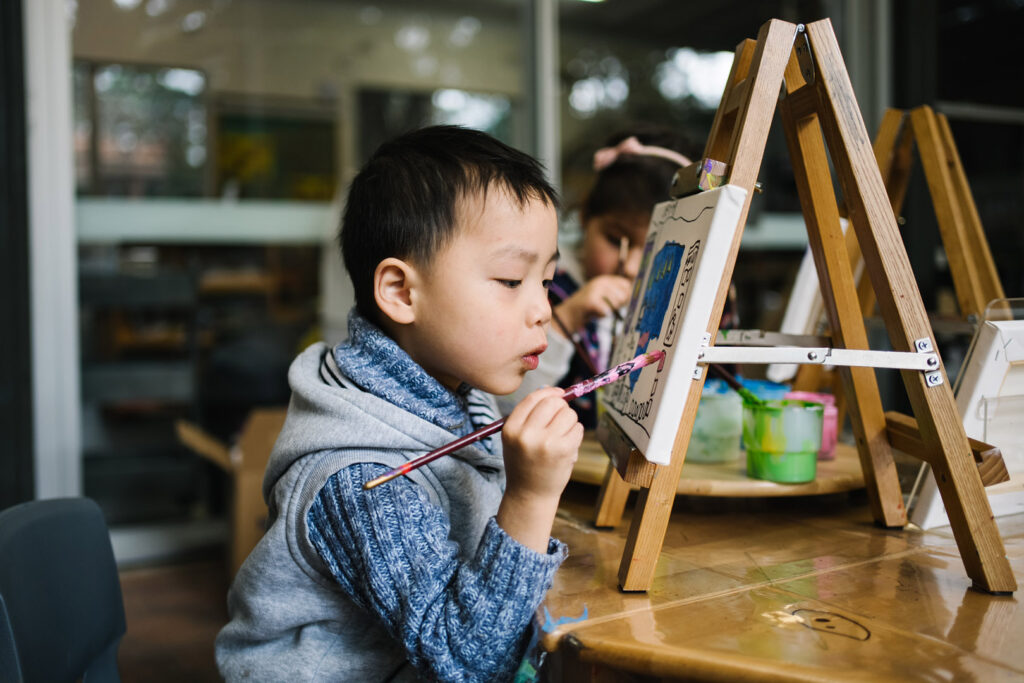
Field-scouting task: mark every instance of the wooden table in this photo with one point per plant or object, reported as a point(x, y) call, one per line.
point(800, 588)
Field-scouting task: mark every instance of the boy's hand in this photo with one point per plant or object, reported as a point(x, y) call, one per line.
point(595, 299)
point(541, 440)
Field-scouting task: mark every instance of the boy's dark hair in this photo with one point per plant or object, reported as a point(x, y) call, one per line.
point(403, 202)
point(633, 183)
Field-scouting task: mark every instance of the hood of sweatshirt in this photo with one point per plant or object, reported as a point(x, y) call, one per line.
point(331, 416)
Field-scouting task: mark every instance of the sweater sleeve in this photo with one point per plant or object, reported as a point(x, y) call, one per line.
point(388, 548)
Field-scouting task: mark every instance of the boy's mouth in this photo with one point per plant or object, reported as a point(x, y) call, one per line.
point(532, 359)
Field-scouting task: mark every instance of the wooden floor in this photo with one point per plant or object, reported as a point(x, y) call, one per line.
point(174, 613)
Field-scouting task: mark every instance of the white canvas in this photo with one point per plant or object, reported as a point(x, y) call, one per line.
point(805, 308)
point(990, 400)
point(673, 296)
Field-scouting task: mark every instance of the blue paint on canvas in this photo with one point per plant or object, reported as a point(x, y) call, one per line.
point(657, 297)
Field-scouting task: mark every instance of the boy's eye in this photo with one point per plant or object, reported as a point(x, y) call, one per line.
point(511, 284)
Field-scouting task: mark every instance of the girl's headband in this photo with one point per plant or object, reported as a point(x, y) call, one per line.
point(607, 156)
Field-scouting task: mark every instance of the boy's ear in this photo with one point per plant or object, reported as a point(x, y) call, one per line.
point(393, 281)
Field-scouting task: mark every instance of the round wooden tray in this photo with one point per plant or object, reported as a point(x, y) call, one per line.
point(730, 480)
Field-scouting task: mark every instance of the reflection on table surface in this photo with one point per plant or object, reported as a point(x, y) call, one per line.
point(804, 588)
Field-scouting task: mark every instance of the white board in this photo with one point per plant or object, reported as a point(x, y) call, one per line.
point(990, 399)
point(673, 296)
point(805, 309)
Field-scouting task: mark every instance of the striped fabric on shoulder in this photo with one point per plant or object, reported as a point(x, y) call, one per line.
point(330, 373)
point(482, 413)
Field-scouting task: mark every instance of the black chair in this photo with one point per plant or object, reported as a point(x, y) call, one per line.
point(61, 612)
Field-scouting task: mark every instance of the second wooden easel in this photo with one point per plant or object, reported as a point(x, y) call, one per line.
point(971, 266)
point(817, 105)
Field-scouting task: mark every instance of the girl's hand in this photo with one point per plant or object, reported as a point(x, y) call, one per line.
point(595, 299)
point(541, 440)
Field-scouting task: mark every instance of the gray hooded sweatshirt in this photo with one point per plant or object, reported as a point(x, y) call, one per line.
point(412, 579)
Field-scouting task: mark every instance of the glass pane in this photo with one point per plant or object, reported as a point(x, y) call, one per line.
point(997, 24)
point(384, 114)
point(275, 154)
point(212, 139)
point(665, 63)
point(657, 62)
point(140, 130)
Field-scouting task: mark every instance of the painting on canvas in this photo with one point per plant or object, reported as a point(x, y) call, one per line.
point(671, 305)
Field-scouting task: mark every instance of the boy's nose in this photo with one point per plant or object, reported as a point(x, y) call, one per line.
point(540, 311)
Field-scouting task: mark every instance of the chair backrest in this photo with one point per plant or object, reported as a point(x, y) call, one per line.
point(61, 611)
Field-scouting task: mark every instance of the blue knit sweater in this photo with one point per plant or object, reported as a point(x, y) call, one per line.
point(461, 614)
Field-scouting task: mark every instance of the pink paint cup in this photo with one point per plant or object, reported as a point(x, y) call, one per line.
point(830, 423)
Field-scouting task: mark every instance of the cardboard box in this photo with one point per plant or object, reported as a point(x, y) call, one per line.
point(245, 461)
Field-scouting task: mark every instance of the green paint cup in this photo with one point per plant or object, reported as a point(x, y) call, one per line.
point(782, 439)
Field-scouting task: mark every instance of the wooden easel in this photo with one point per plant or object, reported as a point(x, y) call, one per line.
point(805, 65)
point(972, 268)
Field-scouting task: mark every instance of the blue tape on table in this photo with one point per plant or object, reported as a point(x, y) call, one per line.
point(550, 625)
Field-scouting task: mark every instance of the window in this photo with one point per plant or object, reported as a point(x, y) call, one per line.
point(275, 150)
point(140, 131)
point(384, 114)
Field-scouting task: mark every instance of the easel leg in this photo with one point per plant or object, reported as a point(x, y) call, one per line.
point(653, 509)
point(887, 264)
point(611, 502)
point(839, 292)
point(647, 530)
point(988, 277)
point(948, 212)
point(893, 149)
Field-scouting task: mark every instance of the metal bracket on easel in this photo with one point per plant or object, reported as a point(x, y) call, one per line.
point(705, 341)
point(803, 53)
point(755, 351)
point(932, 376)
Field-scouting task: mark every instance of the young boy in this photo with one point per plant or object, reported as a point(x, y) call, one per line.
point(450, 239)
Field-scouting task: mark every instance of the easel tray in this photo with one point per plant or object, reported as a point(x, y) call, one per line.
point(729, 479)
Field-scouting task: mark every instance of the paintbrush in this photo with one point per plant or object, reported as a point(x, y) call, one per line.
point(620, 269)
point(575, 391)
point(746, 394)
point(615, 311)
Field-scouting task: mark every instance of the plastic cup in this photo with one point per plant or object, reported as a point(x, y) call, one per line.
point(830, 424)
point(782, 440)
point(717, 428)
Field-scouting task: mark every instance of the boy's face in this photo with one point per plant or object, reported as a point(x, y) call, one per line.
point(602, 239)
point(482, 305)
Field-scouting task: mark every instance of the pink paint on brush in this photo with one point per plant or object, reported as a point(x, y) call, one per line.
point(575, 391)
